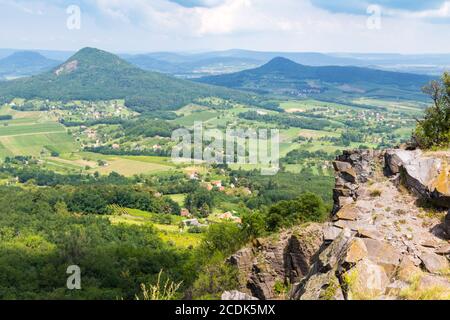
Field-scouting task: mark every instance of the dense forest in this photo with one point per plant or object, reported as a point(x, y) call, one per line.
point(38, 229)
point(51, 221)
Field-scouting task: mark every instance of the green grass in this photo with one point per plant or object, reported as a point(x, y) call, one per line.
point(124, 165)
point(180, 239)
point(30, 129)
point(189, 109)
point(151, 159)
point(178, 198)
point(61, 168)
point(33, 144)
point(4, 152)
point(30, 133)
point(168, 233)
point(202, 116)
point(309, 104)
point(130, 168)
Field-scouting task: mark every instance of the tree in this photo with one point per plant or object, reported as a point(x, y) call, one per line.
point(224, 238)
point(433, 131)
point(204, 210)
point(254, 225)
point(200, 201)
point(307, 207)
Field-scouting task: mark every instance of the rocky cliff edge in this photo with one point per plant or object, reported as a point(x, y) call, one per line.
point(387, 238)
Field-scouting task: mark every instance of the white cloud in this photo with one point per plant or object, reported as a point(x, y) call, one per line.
point(281, 25)
point(228, 17)
point(442, 12)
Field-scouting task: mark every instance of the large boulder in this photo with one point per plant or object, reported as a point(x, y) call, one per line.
point(434, 263)
point(428, 176)
point(395, 159)
point(350, 268)
point(330, 258)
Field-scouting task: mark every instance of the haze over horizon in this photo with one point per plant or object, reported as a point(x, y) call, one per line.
point(211, 25)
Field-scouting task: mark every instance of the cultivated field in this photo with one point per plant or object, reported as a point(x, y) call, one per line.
point(33, 134)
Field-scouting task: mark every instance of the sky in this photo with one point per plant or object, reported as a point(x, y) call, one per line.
point(394, 26)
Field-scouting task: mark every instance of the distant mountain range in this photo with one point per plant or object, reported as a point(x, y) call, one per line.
point(282, 76)
point(192, 66)
point(200, 64)
point(92, 74)
point(25, 63)
point(196, 65)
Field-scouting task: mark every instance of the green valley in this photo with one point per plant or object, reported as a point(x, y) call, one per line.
point(91, 143)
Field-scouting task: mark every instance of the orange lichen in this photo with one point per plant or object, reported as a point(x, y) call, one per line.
point(442, 183)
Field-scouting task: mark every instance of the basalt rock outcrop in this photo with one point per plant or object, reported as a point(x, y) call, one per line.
point(383, 246)
point(271, 262)
point(380, 243)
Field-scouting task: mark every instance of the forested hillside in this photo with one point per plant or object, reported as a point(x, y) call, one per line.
point(92, 74)
point(283, 76)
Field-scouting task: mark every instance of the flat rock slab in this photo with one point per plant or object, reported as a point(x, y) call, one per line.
point(429, 281)
point(356, 251)
point(346, 224)
point(443, 250)
point(331, 232)
point(382, 253)
point(408, 270)
point(348, 212)
point(434, 263)
point(370, 234)
point(430, 244)
point(369, 281)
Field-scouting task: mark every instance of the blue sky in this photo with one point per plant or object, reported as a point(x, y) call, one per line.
point(403, 26)
point(359, 7)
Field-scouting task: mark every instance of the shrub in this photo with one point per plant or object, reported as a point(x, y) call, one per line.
point(215, 278)
point(375, 193)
